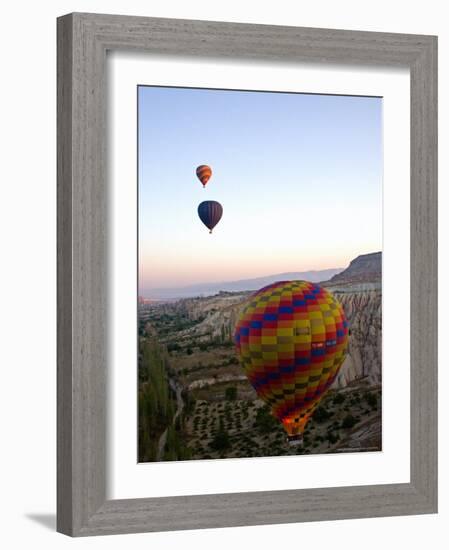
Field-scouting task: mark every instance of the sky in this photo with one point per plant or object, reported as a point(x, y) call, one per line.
point(299, 177)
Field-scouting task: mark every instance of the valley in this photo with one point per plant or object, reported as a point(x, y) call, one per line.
point(207, 409)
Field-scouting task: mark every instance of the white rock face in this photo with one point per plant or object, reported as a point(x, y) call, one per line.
point(204, 382)
point(363, 310)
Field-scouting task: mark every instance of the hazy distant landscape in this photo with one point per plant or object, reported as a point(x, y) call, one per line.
point(195, 401)
point(207, 289)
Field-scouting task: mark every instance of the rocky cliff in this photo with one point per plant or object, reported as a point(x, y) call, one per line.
point(364, 268)
point(359, 289)
point(212, 319)
point(363, 309)
point(218, 315)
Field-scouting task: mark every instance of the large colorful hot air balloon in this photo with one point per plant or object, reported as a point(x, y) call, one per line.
point(292, 338)
point(204, 173)
point(210, 213)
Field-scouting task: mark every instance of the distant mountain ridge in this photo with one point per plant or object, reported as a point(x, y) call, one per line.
point(207, 289)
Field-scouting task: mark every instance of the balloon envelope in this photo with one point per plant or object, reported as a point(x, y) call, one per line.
point(210, 213)
point(204, 173)
point(291, 339)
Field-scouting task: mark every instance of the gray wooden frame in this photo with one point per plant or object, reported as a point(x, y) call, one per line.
point(83, 40)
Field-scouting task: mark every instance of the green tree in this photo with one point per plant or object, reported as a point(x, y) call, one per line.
point(265, 421)
point(349, 421)
point(333, 437)
point(231, 393)
point(321, 414)
point(221, 441)
point(339, 399)
point(371, 399)
point(156, 405)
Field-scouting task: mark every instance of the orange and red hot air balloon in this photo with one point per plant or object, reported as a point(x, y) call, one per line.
point(204, 173)
point(292, 338)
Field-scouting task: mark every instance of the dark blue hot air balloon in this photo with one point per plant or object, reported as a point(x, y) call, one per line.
point(210, 213)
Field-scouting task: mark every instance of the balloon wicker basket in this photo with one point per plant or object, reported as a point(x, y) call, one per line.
point(295, 427)
point(295, 440)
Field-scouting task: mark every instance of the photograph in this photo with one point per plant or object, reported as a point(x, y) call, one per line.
point(222, 223)
point(259, 301)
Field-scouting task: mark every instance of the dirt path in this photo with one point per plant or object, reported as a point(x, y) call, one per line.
point(179, 407)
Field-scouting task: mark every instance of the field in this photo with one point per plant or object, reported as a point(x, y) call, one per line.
point(195, 401)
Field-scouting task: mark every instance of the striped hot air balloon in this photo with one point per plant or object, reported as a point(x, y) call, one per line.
point(291, 339)
point(204, 173)
point(210, 213)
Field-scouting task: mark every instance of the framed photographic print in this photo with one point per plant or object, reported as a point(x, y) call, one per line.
point(299, 390)
point(247, 274)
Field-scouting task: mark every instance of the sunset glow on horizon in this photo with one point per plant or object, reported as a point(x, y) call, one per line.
point(299, 177)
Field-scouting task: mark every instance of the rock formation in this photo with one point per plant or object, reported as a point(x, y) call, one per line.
point(363, 310)
point(358, 288)
point(364, 268)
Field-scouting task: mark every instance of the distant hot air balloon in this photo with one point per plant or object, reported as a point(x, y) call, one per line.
point(210, 213)
point(291, 339)
point(204, 173)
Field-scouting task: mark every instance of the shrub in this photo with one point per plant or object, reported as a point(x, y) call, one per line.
point(321, 414)
point(348, 421)
point(371, 399)
point(220, 442)
point(231, 393)
point(173, 347)
point(339, 399)
point(265, 421)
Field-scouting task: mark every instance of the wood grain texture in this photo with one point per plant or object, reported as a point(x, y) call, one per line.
point(423, 274)
point(64, 278)
point(83, 40)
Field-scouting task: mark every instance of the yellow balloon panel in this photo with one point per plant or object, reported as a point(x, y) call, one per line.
point(292, 339)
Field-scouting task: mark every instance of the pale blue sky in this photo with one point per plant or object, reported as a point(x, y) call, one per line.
point(299, 177)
